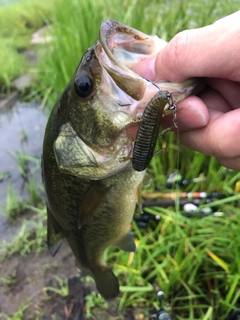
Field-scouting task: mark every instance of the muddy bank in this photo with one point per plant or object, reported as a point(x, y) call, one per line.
point(33, 287)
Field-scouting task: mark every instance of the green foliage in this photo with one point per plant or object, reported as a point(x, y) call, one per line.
point(63, 287)
point(92, 300)
point(27, 167)
point(76, 26)
point(10, 280)
point(13, 206)
point(18, 315)
point(12, 64)
point(196, 262)
point(23, 18)
point(31, 237)
point(17, 23)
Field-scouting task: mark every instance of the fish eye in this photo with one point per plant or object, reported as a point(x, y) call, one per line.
point(83, 86)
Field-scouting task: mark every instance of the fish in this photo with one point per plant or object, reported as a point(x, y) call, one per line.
point(91, 194)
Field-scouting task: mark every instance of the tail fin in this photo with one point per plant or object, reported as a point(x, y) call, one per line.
point(107, 283)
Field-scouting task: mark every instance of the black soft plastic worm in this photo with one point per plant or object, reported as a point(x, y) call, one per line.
point(148, 130)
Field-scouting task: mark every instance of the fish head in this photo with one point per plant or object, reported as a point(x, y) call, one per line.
point(105, 101)
point(106, 94)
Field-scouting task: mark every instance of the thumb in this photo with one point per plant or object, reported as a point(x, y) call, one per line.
point(211, 51)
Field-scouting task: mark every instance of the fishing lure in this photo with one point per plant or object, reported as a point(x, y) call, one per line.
point(148, 130)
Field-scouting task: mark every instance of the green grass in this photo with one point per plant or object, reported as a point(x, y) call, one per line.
point(72, 36)
point(9, 281)
point(15, 206)
point(195, 261)
point(17, 23)
point(31, 237)
point(176, 255)
point(12, 63)
point(18, 315)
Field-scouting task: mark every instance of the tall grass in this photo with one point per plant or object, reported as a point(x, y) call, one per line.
point(196, 262)
point(17, 23)
point(76, 27)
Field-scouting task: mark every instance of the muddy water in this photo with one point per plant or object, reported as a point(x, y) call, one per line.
point(21, 135)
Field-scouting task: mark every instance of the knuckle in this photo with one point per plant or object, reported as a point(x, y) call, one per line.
point(177, 53)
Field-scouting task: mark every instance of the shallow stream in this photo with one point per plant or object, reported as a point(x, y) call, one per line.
point(21, 135)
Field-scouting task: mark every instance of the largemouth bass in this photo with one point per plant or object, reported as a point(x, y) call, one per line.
point(91, 193)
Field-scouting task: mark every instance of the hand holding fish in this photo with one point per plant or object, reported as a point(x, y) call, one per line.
point(210, 121)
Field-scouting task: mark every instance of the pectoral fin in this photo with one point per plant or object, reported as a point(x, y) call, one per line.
point(92, 198)
point(54, 234)
point(127, 243)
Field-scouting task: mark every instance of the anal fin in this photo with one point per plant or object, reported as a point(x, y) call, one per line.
point(54, 234)
point(127, 243)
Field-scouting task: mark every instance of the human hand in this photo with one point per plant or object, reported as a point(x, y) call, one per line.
point(210, 121)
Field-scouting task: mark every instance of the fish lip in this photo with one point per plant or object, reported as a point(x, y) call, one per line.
point(115, 38)
point(108, 29)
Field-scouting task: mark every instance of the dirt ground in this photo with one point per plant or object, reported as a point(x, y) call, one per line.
point(33, 274)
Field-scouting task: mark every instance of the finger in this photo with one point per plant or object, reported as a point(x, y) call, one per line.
point(231, 163)
point(219, 138)
point(210, 51)
point(192, 113)
point(214, 100)
point(229, 90)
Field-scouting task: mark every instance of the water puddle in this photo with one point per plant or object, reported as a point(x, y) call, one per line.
point(21, 135)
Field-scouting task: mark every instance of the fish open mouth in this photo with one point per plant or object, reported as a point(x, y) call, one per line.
point(127, 47)
point(119, 50)
point(122, 49)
